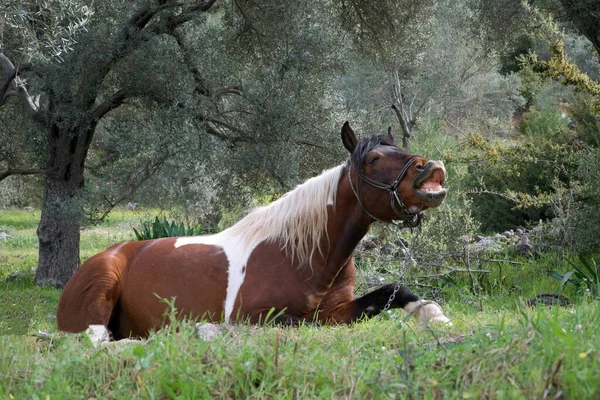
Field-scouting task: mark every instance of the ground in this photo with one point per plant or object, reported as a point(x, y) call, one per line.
point(498, 347)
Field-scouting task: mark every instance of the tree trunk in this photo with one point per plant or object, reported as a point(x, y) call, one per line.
point(62, 209)
point(58, 234)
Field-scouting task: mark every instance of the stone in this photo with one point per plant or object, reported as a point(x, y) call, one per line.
point(485, 245)
point(209, 332)
point(523, 248)
point(16, 276)
point(367, 243)
point(389, 249)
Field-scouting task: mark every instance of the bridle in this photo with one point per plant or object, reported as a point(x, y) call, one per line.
point(411, 220)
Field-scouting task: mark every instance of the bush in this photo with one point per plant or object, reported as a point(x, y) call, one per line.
point(586, 119)
point(585, 276)
point(512, 184)
point(577, 205)
point(531, 84)
point(162, 228)
point(546, 124)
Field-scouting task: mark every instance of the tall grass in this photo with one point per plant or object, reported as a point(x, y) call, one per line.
point(497, 347)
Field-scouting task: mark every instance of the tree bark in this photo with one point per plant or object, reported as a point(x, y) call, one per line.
point(58, 232)
point(585, 15)
point(69, 139)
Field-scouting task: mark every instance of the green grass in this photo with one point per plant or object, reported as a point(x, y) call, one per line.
point(497, 347)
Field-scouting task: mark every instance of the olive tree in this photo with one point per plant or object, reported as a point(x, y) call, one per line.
point(118, 91)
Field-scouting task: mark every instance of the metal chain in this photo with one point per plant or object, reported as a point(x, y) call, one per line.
point(392, 297)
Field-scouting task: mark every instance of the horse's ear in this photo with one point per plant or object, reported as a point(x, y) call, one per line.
point(349, 138)
point(389, 137)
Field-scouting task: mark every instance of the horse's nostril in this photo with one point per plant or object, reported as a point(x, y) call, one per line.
point(419, 167)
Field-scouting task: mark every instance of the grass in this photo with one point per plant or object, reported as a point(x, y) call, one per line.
point(497, 347)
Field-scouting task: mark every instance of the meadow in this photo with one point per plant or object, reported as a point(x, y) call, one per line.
point(498, 347)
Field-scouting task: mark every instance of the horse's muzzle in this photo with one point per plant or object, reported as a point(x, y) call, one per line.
point(428, 184)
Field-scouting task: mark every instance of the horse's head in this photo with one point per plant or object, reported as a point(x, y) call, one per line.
point(390, 183)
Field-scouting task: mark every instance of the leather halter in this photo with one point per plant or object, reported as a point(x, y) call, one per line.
point(409, 219)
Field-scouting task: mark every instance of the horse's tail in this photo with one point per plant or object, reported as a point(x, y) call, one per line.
point(90, 296)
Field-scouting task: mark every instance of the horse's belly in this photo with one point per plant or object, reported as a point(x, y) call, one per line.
point(194, 276)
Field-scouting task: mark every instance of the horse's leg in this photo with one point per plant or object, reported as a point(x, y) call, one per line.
point(279, 317)
point(90, 296)
point(373, 304)
point(290, 320)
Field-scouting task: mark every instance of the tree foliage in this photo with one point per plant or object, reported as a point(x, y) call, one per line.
point(202, 104)
point(142, 87)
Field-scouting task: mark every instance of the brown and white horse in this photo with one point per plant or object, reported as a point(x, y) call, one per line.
point(292, 257)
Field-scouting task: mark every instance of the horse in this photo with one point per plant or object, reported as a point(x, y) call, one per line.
point(291, 260)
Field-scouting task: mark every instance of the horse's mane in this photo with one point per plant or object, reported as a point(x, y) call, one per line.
point(298, 219)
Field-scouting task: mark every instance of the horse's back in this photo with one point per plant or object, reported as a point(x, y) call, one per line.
point(122, 287)
point(195, 276)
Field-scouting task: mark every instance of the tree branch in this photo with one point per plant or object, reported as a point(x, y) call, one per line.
point(20, 171)
point(140, 22)
point(244, 136)
point(10, 73)
point(112, 102)
point(11, 78)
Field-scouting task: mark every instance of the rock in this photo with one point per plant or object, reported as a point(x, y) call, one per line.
point(132, 206)
point(16, 276)
point(389, 249)
point(4, 236)
point(465, 239)
point(523, 248)
point(498, 238)
point(485, 245)
point(368, 243)
point(208, 332)
point(428, 311)
point(508, 234)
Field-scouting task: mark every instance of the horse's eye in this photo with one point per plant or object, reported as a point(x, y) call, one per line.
point(372, 160)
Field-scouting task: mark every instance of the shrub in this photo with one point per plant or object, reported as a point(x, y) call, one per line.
point(586, 119)
point(162, 228)
point(577, 205)
point(531, 84)
point(512, 184)
point(585, 275)
point(546, 124)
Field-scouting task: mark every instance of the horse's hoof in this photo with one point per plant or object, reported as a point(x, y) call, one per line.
point(431, 312)
point(98, 334)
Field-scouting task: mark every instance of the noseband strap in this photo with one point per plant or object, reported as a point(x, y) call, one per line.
point(409, 219)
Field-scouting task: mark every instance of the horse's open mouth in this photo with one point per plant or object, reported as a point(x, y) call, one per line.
point(429, 184)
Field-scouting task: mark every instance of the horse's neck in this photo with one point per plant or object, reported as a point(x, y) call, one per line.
point(347, 225)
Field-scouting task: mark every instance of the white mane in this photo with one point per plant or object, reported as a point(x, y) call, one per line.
point(298, 219)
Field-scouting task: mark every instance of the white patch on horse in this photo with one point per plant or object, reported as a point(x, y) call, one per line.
point(237, 252)
point(298, 220)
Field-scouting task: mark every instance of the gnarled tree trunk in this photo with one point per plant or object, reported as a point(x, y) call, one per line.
point(58, 231)
point(58, 234)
